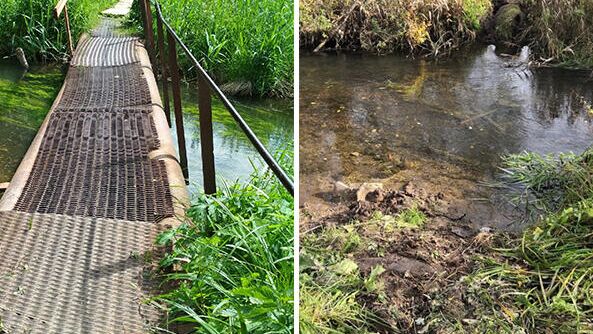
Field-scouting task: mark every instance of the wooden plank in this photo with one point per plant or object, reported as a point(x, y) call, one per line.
point(59, 8)
point(4, 186)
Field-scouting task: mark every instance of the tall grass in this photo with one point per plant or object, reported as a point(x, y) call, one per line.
point(243, 43)
point(560, 31)
point(542, 281)
point(30, 25)
point(234, 261)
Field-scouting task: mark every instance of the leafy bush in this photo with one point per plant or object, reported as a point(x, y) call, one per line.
point(235, 260)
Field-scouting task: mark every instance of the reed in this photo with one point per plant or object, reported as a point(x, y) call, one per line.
point(247, 46)
point(31, 26)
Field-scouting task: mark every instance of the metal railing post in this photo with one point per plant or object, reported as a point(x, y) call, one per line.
point(206, 135)
point(164, 72)
point(149, 32)
point(176, 87)
point(206, 88)
point(68, 31)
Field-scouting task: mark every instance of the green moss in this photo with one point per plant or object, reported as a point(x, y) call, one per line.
point(476, 11)
point(26, 102)
point(505, 21)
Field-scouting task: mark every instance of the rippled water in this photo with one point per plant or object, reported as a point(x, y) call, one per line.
point(365, 117)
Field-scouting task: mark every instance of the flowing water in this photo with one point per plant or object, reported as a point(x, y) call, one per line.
point(234, 155)
point(442, 124)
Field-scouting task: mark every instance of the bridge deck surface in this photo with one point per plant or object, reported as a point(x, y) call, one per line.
point(79, 220)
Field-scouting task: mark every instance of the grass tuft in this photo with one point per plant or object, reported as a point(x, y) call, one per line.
point(542, 281)
point(31, 26)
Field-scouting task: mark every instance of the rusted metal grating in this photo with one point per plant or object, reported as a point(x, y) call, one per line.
point(105, 51)
point(109, 27)
point(61, 274)
point(95, 163)
point(94, 87)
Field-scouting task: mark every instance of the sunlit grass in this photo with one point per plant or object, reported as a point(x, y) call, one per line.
point(31, 26)
point(542, 281)
point(234, 260)
point(246, 45)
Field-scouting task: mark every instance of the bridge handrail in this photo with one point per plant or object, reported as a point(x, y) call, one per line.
point(206, 79)
point(62, 6)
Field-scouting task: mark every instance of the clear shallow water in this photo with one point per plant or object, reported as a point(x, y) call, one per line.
point(363, 117)
point(235, 157)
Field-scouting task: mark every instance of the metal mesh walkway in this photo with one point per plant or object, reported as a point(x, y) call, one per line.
point(74, 246)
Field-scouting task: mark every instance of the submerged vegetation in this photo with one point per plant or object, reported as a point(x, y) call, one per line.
point(31, 26)
point(558, 31)
point(233, 262)
point(25, 102)
point(246, 45)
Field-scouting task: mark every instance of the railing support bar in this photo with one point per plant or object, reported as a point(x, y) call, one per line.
point(176, 87)
point(149, 32)
point(164, 72)
point(68, 31)
point(62, 6)
point(206, 135)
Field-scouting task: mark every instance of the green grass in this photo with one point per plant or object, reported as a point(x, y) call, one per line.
point(234, 260)
point(410, 218)
point(247, 45)
point(30, 25)
point(542, 281)
point(333, 290)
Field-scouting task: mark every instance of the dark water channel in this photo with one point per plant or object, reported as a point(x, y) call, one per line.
point(445, 124)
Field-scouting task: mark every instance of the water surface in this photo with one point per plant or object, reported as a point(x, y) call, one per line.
point(366, 118)
point(234, 155)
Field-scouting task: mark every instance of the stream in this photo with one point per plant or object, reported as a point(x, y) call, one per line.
point(442, 125)
point(235, 157)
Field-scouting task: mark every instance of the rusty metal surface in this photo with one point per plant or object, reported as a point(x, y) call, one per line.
point(93, 87)
point(63, 274)
point(73, 249)
point(95, 163)
point(105, 51)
